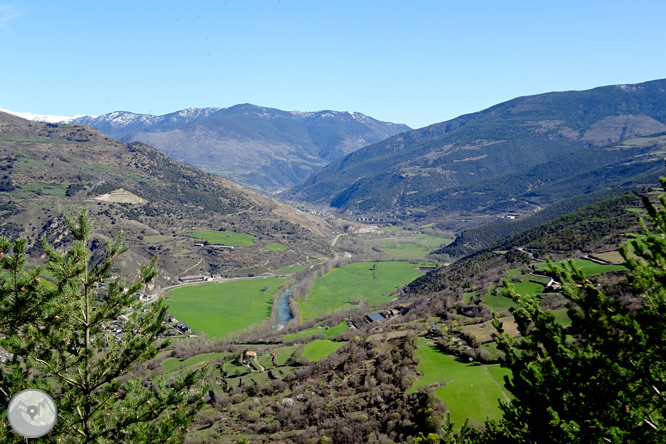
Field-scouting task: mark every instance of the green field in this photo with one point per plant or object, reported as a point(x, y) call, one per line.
point(223, 237)
point(45, 188)
point(172, 363)
point(283, 356)
point(408, 246)
point(276, 247)
point(156, 238)
point(330, 332)
point(472, 390)
point(590, 268)
point(338, 288)
point(562, 317)
point(218, 309)
point(613, 257)
point(320, 349)
point(498, 302)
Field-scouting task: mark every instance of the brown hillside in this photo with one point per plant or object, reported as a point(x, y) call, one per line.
point(50, 170)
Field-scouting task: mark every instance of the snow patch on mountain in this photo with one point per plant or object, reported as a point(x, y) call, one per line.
point(42, 117)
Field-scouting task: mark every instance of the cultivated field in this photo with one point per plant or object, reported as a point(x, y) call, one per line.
point(341, 286)
point(404, 245)
point(223, 237)
point(218, 309)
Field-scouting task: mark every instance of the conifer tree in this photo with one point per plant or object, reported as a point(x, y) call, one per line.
point(603, 379)
point(62, 342)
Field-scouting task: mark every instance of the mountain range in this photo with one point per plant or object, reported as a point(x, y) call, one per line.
point(50, 170)
point(263, 148)
point(511, 159)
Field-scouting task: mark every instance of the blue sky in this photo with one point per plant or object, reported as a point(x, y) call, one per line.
point(414, 62)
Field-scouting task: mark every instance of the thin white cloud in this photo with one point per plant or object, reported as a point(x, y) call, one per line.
point(7, 14)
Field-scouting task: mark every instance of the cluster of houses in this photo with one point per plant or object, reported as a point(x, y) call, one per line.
point(198, 278)
point(315, 212)
point(370, 219)
point(175, 327)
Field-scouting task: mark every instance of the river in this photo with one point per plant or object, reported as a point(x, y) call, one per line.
point(283, 315)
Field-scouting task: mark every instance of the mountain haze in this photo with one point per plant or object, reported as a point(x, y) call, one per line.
point(514, 156)
point(264, 148)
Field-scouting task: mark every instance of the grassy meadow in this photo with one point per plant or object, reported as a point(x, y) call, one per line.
point(170, 364)
point(219, 309)
point(338, 288)
point(276, 247)
point(330, 332)
point(590, 268)
point(405, 245)
point(223, 237)
point(472, 390)
point(320, 349)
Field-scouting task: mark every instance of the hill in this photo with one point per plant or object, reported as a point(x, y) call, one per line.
point(596, 228)
point(263, 148)
point(49, 170)
point(513, 157)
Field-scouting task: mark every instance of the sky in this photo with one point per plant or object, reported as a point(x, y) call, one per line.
point(415, 62)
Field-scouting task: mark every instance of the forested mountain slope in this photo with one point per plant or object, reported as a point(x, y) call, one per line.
point(511, 157)
point(598, 227)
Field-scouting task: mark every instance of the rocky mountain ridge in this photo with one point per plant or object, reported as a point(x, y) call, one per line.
point(264, 148)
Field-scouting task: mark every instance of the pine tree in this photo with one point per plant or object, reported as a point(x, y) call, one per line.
point(62, 342)
point(603, 379)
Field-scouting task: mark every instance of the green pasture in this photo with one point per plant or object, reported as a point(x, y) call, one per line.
point(408, 247)
point(223, 237)
point(218, 309)
point(590, 268)
point(472, 390)
point(276, 247)
point(171, 363)
point(337, 289)
point(45, 188)
point(562, 317)
point(613, 257)
point(156, 238)
point(283, 356)
point(330, 332)
point(497, 302)
point(320, 349)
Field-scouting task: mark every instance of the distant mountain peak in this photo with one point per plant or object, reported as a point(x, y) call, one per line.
point(261, 147)
point(42, 117)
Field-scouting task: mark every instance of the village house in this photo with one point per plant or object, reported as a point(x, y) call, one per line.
point(374, 317)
